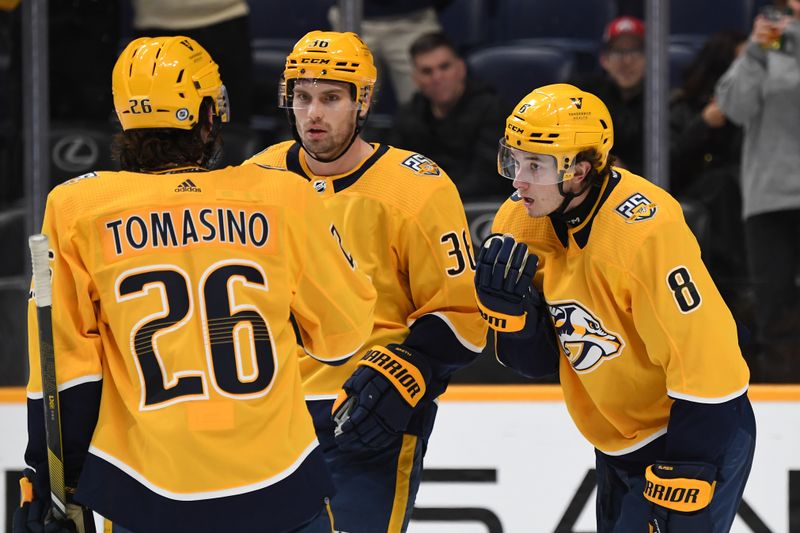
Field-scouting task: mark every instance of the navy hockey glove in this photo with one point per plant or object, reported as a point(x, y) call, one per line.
point(680, 494)
point(34, 516)
point(380, 397)
point(504, 284)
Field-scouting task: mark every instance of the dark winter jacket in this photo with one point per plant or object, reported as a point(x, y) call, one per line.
point(464, 143)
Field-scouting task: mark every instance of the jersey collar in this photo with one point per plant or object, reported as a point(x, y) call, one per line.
point(295, 163)
point(178, 170)
point(579, 220)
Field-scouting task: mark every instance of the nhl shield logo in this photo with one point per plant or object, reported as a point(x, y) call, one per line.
point(320, 185)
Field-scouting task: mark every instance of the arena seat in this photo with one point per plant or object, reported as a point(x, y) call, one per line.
point(268, 63)
point(577, 20)
point(465, 22)
point(680, 57)
point(704, 18)
point(515, 70)
point(280, 23)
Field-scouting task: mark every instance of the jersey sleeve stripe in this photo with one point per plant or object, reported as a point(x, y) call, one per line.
point(464, 342)
point(641, 444)
point(335, 361)
point(68, 385)
point(700, 399)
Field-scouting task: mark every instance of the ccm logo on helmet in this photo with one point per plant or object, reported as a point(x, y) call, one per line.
point(515, 128)
point(319, 60)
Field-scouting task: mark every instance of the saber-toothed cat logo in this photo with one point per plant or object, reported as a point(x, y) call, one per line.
point(585, 341)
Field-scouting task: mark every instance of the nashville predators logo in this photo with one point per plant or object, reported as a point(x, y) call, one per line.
point(636, 208)
point(421, 165)
point(585, 341)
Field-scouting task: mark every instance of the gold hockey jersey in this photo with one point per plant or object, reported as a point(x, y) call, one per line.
point(639, 320)
point(176, 291)
point(405, 226)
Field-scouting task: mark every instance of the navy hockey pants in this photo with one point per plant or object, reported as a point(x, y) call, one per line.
point(621, 507)
point(375, 489)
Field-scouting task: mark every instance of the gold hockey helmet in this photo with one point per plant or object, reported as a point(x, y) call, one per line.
point(334, 56)
point(160, 82)
point(558, 120)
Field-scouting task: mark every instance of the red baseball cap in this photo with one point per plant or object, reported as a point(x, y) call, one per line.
point(624, 25)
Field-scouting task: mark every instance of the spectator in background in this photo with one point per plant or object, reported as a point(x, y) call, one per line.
point(760, 92)
point(221, 27)
point(389, 27)
point(621, 87)
point(453, 119)
point(705, 150)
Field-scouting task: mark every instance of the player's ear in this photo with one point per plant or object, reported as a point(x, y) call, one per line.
point(366, 105)
point(582, 170)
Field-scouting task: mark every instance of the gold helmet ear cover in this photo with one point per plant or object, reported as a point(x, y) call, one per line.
point(561, 120)
point(161, 82)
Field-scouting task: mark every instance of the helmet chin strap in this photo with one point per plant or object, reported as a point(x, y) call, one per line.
point(569, 196)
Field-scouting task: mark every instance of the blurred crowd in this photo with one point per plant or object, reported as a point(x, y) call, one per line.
point(444, 93)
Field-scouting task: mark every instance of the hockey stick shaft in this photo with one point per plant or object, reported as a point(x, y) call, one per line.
point(43, 290)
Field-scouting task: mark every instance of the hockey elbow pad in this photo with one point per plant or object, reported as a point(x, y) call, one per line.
point(503, 283)
point(680, 494)
point(379, 398)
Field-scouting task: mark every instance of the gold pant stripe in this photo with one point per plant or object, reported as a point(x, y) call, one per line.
point(405, 463)
point(330, 516)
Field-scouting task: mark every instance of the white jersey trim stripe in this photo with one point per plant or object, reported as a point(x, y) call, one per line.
point(194, 496)
point(711, 401)
point(68, 385)
point(332, 359)
point(638, 445)
point(320, 397)
point(464, 342)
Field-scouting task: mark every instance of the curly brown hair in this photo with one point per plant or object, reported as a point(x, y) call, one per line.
point(596, 176)
point(143, 150)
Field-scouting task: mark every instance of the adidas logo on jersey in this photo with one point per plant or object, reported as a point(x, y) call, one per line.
point(187, 186)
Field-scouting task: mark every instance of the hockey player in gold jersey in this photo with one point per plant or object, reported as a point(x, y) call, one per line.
point(593, 272)
point(405, 227)
point(173, 290)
